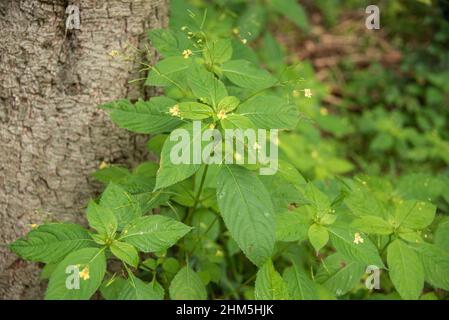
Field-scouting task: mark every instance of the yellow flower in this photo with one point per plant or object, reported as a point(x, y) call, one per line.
point(187, 53)
point(114, 53)
point(34, 226)
point(221, 115)
point(308, 93)
point(235, 31)
point(84, 274)
point(244, 41)
point(103, 165)
point(358, 238)
point(174, 111)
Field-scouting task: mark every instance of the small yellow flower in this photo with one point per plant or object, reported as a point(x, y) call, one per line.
point(34, 226)
point(174, 111)
point(187, 53)
point(212, 126)
point(221, 115)
point(308, 93)
point(114, 53)
point(244, 41)
point(84, 274)
point(235, 31)
point(103, 165)
point(358, 238)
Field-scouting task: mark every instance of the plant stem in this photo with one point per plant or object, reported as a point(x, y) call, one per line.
point(197, 197)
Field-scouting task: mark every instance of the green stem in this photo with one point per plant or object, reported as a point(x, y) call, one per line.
point(197, 197)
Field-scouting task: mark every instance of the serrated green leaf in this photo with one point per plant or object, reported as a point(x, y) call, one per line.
point(50, 243)
point(247, 212)
point(372, 225)
point(194, 110)
point(143, 116)
point(345, 241)
point(187, 285)
point(101, 219)
point(153, 233)
point(217, 52)
point(436, 264)
point(110, 288)
point(338, 275)
point(111, 174)
point(136, 289)
point(318, 201)
point(125, 252)
point(405, 270)
point(228, 104)
point(124, 206)
point(244, 74)
point(169, 71)
point(85, 267)
point(414, 214)
point(293, 11)
point(318, 236)
point(270, 112)
point(205, 85)
point(168, 42)
point(442, 234)
point(292, 226)
point(183, 146)
point(269, 284)
point(299, 285)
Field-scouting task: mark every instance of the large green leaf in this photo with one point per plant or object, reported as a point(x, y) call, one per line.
point(125, 252)
point(169, 71)
point(187, 285)
point(299, 285)
point(205, 85)
point(292, 226)
point(338, 275)
point(143, 116)
point(50, 243)
point(436, 264)
point(153, 233)
point(344, 240)
point(217, 52)
point(405, 270)
point(270, 112)
point(318, 236)
point(244, 74)
point(169, 43)
point(269, 284)
point(293, 11)
point(372, 225)
point(442, 234)
point(125, 206)
point(414, 214)
point(101, 219)
point(247, 212)
point(194, 110)
point(136, 289)
point(78, 276)
point(171, 172)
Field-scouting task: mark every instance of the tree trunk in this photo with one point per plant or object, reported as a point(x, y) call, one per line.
point(52, 135)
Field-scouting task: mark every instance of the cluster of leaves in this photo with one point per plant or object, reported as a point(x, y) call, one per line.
point(192, 231)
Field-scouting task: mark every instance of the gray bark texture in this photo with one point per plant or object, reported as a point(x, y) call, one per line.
point(52, 135)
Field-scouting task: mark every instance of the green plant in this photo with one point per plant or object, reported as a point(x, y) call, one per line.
point(196, 231)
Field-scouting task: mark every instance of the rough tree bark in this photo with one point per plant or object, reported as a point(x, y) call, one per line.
point(52, 136)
